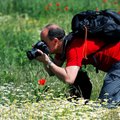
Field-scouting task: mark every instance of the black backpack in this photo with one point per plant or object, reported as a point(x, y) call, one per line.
point(104, 24)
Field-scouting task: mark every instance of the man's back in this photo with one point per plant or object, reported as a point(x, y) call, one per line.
point(104, 58)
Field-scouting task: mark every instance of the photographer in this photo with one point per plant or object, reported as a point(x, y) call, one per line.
point(77, 53)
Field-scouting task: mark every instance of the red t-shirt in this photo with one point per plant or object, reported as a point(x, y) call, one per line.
point(106, 57)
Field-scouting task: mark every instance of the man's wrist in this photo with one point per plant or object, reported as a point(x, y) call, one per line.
point(49, 63)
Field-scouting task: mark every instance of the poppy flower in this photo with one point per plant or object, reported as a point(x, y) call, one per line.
point(66, 8)
point(115, 2)
point(104, 1)
point(57, 4)
point(50, 4)
point(41, 82)
point(46, 8)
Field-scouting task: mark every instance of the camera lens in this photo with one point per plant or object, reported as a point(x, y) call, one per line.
point(32, 54)
point(29, 55)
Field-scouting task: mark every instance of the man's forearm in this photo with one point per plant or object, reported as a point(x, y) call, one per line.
point(58, 71)
point(48, 71)
point(56, 62)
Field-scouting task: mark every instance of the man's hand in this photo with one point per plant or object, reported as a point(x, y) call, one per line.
point(67, 74)
point(43, 57)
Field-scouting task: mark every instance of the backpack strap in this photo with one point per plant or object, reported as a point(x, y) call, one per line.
point(85, 43)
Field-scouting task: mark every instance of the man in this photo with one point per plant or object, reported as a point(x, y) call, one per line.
point(77, 53)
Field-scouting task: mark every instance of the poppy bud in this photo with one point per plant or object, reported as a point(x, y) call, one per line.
point(41, 82)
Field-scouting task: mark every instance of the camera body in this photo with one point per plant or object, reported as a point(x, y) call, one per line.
point(32, 54)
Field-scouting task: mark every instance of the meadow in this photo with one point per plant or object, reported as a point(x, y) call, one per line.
point(21, 96)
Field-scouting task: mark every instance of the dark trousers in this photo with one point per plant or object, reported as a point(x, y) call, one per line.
point(82, 86)
point(111, 86)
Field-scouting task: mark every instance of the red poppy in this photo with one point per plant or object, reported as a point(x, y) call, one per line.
point(66, 8)
point(57, 4)
point(50, 4)
point(104, 1)
point(46, 8)
point(41, 82)
point(118, 12)
point(115, 2)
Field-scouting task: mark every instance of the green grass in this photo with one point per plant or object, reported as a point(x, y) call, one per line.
point(20, 94)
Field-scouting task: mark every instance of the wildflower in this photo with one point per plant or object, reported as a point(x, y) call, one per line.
point(41, 82)
point(118, 12)
point(104, 1)
point(97, 9)
point(50, 4)
point(57, 4)
point(46, 8)
point(66, 8)
point(115, 2)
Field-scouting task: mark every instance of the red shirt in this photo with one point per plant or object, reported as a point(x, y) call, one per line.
point(106, 57)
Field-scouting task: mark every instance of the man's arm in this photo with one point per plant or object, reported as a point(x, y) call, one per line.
point(57, 62)
point(67, 74)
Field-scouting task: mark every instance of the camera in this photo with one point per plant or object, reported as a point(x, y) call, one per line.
point(33, 53)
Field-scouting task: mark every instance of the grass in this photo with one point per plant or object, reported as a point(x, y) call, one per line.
point(20, 95)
